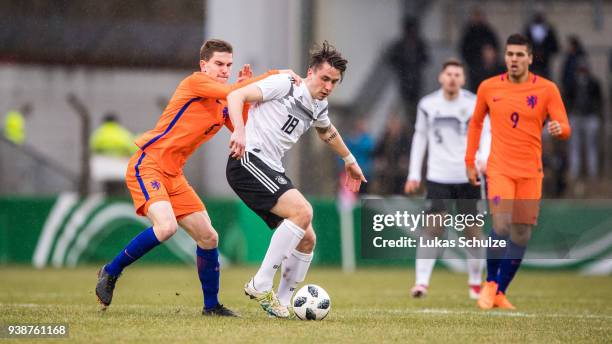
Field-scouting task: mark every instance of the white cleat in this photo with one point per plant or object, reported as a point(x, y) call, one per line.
point(418, 291)
point(267, 300)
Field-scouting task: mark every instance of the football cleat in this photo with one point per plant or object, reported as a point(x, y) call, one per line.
point(105, 287)
point(220, 311)
point(418, 291)
point(487, 295)
point(267, 300)
point(502, 302)
point(289, 310)
point(474, 291)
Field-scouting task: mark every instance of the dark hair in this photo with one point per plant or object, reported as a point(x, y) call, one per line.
point(327, 53)
point(577, 45)
point(518, 39)
point(452, 62)
point(410, 24)
point(214, 45)
point(110, 117)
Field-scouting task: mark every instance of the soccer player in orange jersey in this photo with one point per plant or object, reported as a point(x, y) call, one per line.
point(518, 103)
point(155, 177)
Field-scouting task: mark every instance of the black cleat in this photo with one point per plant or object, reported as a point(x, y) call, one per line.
point(105, 287)
point(220, 311)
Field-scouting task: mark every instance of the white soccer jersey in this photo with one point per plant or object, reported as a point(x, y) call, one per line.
point(441, 129)
point(286, 112)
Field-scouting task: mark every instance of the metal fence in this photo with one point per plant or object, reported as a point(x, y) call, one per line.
point(24, 171)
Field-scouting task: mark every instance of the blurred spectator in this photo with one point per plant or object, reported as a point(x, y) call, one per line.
point(554, 162)
point(574, 53)
point(545, 45)
point(476, 34)
point(14, 124)
point(408, 57)
point(111, 139)
point(111, 146)
point(555, 157)
point(490, 65)
point(585, 107)
point(361, 144)
point(391, 157)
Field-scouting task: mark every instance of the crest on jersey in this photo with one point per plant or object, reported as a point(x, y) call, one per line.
point(496, 199)
point(225, 113)
point(532, 101)
point(155, 185)
point(281, 180)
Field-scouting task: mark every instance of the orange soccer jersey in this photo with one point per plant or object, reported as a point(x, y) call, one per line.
point(517, 113)
point(195, 113)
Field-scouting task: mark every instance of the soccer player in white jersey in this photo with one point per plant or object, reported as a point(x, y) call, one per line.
point(280, 113)
point(441, 129)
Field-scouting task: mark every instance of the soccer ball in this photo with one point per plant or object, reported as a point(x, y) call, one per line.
point(311, 302)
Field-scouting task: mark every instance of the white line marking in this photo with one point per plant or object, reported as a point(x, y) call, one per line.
point(492, 313)
point(62, 206)
point(78, 218)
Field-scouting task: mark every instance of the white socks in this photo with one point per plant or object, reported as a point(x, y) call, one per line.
point(293, 272)
point(424, 266)
point(425, 260)
point(475, 264)
point(284, 241)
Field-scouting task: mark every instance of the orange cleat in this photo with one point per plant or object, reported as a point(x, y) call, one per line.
point(487, 295)
point(502, 302)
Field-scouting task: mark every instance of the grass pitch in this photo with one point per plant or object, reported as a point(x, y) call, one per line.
point(163, 304)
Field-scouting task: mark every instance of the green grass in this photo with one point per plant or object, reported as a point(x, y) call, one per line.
point(163, 304)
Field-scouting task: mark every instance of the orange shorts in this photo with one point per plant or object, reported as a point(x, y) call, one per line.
point(148, 184)
point(519, 197)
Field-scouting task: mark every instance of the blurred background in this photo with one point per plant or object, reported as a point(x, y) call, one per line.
point(80, 79)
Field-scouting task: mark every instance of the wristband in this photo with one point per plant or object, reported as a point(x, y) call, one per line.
point(349, 159)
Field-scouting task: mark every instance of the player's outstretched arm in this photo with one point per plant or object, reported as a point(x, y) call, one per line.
point(204, 86)
point(235, 103)
point(354, 175)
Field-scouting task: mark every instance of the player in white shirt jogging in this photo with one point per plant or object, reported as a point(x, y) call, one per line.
point(441, 129)
point(280, 113)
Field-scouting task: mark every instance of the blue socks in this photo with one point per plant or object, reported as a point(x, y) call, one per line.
point(208, 271)
point(510, 265)
point(207, 261)
point(141, 244)
point(494, 256)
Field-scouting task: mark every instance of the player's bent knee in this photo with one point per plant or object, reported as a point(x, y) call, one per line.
point(210, 239)
point(501, 225)
point(164, 230)
point(303, 215)
point(521, 234)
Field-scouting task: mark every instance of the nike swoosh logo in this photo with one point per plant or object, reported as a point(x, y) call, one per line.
point(495, 99)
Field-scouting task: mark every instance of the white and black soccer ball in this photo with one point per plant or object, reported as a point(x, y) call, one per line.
point(311, 302)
